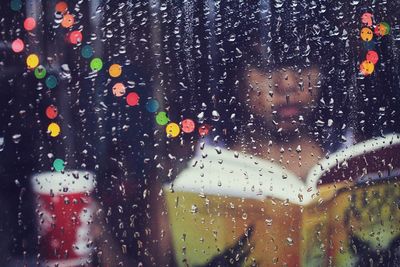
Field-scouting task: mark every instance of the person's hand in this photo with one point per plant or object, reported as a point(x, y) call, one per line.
point(234, 255)
point(367, 254)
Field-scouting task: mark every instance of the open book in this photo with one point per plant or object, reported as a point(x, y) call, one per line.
point(222, 194)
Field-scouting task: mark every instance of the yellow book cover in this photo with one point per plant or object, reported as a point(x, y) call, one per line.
point(230, 210)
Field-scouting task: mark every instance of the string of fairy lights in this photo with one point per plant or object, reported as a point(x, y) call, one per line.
point(74, 37)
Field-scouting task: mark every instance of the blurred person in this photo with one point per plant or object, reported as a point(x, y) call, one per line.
point(268, 104)
point(284, 87)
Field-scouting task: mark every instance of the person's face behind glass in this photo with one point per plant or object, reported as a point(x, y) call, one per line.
point(283, 97)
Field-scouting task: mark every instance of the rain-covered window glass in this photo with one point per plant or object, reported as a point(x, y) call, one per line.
point(199, 133)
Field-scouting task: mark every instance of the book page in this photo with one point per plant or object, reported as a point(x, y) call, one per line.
point(239, 175)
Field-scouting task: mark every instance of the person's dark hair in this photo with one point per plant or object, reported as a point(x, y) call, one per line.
point(229, 37)
point(296, 35)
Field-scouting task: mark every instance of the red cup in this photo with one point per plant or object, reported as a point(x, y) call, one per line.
point(64, 211)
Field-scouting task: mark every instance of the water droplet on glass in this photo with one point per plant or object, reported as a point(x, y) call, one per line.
point(16, 138)
point(200, 117)
point(194, 209)
point(215, 115)
point(268, 221)
point(1, 144)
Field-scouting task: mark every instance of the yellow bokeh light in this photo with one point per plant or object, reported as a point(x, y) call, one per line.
point(32, 61)
point(172, 129)
point(54, 129)
point(115, 70)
